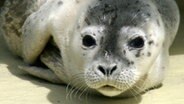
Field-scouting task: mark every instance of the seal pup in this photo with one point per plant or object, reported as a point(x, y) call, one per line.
point(111, 47)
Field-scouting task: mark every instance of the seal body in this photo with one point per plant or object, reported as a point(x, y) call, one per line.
point(114, 47)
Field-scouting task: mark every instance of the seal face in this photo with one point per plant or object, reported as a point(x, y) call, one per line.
point(115, 47)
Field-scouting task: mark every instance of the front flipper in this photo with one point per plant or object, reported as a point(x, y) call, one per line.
point(35, 37)
point(45, 74)
point(53, 60)
point(36, 32)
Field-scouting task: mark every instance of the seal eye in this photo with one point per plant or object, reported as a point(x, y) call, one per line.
point(88, 41)
point(138, 42)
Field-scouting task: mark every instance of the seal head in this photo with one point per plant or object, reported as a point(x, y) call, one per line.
point(116, 45)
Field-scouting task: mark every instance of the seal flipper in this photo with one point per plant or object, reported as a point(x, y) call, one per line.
point(53, 60)
point(37, 29)
point(36, 32)
point(45, 74)
point(35, 37)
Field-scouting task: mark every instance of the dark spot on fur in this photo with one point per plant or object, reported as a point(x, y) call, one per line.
point(60, 3)
point(158, 22)
point(130, 63)
point(124, 52)
point(78, 26)
point(138, 10)
point(138, 54)
point(94, 34)
point(87, 21)
point(149, 54)
point(128, 4)
point(148, 14)
point(136, 2)
point(159, 11)
point(135, 24)
point(147, 5)
point(101, 41)
point(151, 42)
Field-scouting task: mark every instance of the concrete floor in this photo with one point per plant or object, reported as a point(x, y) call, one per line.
point(16, 87)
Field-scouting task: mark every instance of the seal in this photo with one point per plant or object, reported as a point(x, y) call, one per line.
point(111, 47)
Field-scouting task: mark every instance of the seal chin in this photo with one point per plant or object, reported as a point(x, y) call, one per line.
point(109, 91)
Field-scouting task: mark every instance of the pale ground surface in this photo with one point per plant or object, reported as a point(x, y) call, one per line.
point(16, 87)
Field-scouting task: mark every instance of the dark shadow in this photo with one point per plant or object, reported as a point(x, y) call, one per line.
point(2, 2)
point(178, 45)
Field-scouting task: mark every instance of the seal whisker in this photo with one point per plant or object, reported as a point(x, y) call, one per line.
point(80, 89)
point(134, 17)
point(136, 92)
point(132, 92)
point(76, 90)
point(83, 92)
point(83, 89)
point(73, 78)
point(75, 83)
point(72, 90)
point(87, 95)
point(138, 87)
point(143, 24)
point(144, 84)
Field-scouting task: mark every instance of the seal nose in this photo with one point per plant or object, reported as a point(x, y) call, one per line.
point(107, 70)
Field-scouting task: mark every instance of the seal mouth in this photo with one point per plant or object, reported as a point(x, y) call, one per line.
point(108, 87)
point(110, 91)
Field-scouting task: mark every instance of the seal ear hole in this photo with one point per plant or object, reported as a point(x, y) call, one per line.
point(88, 41)
point(137, 42)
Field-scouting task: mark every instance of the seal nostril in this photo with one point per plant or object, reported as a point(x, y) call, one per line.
point(113, 69)
point(102, 69)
